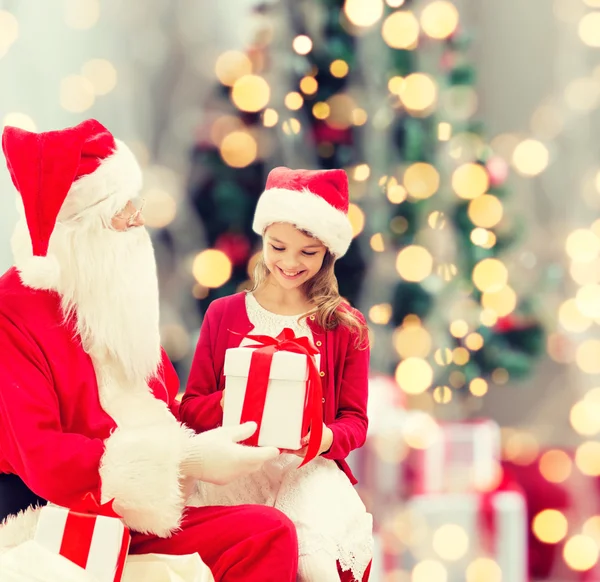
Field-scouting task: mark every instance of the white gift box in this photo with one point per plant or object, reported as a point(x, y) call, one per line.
point(99, 543)
point(286, 394)
point(427, 519)
point(463, 456)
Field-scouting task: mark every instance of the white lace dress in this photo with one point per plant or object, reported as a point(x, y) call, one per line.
point(319, 498)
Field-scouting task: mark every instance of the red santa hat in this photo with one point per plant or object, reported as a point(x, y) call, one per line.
point(72, 170)
point(312, 200)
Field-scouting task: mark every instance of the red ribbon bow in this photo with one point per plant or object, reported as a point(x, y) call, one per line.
point(89, 505)
point(258, 381)
point(79, 530)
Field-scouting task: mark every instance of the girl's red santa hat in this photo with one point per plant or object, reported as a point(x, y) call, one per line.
point(81, 171)
point(315, 201)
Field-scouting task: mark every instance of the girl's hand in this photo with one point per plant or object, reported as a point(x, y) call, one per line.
point(326, 442)
point(222, 398)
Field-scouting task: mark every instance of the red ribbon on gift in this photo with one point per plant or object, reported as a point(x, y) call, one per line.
point(258, 382)
point(79, 531)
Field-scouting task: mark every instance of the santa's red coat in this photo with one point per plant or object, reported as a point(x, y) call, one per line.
point(58, 432)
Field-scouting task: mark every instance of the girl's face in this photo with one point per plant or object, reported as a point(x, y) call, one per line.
point(291, 256)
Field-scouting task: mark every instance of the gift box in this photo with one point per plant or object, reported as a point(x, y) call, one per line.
point(380, 465)
point(89, 535)
point(472, 536)
point(269, 383)
point(461, 457)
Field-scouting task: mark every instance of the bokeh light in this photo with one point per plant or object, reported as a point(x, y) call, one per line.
point(587, 458)
point(571, 318)
point(101, 74)
point(439, 19)
point(9, 31)
point(309, 85)
point(293, 101)
point(586, 356)
point(251, 93)
point(429, 571)
point(21, 120)
point(550, 526)
point(412, 340)
point(450, 542)
point(238, 149)
point(580, 553)
point(401, 30)
point(302, 44)
point(588, 300)
point(470, 181)
point(414, 375)
point(483, 570)
point(160, 208)
point(421, 180)
point(341, 108)
point(555, 466)
point(485, 211)
point(76, 93)
point(589, 29)
point(211, 268)
point(414, 263)
point(419, 93)
point(81, 14)
point(357, 219)
point(583, 245)
point(339, 68)
point(380, 314)
point(502, 302)
point(530, 157)
point(585, 417)
point(231, 66)
point(478, 387)
point(490, 275)
point(364, 13)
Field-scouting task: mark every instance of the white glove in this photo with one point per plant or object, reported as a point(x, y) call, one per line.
point(216, 457)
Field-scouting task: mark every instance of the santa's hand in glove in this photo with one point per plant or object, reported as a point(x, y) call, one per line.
point(217, 457)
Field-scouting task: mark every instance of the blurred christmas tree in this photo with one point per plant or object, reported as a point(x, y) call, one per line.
point(385, 91)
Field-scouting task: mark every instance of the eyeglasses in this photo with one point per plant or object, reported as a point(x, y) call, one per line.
point(126, 214)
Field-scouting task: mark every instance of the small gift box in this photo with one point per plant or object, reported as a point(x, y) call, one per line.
point(462, 457)
point(471, 536)
point(275, 383)
point(89, 535)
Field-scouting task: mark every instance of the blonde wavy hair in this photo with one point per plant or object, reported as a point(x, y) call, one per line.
point(330, 309)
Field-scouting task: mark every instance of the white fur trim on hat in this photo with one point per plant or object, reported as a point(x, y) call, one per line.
point(117, 179)
point(40, 272)
point(306, 211)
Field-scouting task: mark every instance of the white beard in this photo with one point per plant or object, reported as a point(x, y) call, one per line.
point(109, 283)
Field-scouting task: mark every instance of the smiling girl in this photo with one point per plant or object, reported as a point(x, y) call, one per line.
point(303, 219)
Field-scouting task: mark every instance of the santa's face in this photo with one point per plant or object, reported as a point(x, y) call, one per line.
point(108, 282)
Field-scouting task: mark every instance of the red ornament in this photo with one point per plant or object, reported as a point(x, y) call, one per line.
point(448, 61)
point(498, 170)
point(235, 246)
point(506, 324)
point(324, 132)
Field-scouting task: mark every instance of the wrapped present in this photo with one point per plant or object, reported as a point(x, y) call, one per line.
point(461, 457)
point(90, 535)
point(380, 465)
point(470, 536)
point(275, 382)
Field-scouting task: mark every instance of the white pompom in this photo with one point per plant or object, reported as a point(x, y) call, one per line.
point(40, 272)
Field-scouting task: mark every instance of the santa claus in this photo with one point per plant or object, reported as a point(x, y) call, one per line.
point(87, 396)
